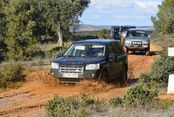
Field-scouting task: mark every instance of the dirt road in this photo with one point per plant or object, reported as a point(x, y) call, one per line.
point(28, 101)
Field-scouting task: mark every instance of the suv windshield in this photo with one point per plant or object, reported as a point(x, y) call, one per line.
point(135, 34)
point(86, 50)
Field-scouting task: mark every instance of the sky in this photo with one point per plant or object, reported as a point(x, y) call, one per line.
point(120, 12)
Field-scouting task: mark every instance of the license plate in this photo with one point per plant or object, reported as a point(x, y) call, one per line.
point(70, 75)
point(137, 43)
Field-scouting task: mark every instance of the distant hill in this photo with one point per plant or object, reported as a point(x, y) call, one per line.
point(87, 27)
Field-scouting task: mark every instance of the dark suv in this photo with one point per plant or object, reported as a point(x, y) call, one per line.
point(91, 59)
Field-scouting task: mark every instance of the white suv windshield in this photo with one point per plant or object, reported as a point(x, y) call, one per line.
point(135, 34)
point(86, 50)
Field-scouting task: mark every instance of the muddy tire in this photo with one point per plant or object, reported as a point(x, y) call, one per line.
point(104, 76)
point(122, 40)
point(147, 53)
point(124, 77)
point(127, 50)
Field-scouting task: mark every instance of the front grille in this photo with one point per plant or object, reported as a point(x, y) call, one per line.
point(71, 69)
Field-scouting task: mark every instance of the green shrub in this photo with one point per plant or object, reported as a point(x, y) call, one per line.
point(139, 95)
point(86, 101)
point(62, 107)
point(73, 106)
point(92, 103)
point(145, 78)
point(114, 102)
point(1, 75)
point(161, 68)
point(11, 75)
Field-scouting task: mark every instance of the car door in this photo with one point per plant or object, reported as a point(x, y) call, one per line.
point(120, 58)
point(113, 64)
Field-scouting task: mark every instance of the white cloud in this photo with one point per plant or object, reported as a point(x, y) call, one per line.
point(133, 5)
point(148, 6)
point(130, 16)
point(121, 11)
point(113, 3)
point(96, 16)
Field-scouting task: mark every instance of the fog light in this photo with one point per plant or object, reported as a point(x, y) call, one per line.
point(52, 73)
point(92, 75)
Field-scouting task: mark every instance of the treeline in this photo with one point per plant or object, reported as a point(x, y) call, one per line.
point(22, 22)
point(164, 19)
point(163, 23)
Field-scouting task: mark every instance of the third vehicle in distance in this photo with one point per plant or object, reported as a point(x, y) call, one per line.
point(137, 40)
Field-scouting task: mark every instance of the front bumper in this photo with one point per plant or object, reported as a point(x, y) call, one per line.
point(86, 75)
point(137, 47)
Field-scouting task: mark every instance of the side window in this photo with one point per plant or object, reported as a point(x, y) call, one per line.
point(117, 49)
point(109, 49)
point(120, 48)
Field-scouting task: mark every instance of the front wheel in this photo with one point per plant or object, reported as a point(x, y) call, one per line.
point(127, 50)
point(104, 76)
point(147, 53)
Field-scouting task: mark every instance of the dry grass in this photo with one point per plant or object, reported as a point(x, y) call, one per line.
point(164, 41)
point(50, 46)
point(135, 112)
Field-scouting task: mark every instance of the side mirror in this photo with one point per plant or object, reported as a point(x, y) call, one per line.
point(60, 55)
point(149, 36)
point(112, 56)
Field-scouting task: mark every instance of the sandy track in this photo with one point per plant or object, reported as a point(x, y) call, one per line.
point(29, 100)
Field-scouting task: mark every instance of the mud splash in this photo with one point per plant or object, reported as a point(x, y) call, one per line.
point(45, 77)
point(90, 87)
point(83, 86)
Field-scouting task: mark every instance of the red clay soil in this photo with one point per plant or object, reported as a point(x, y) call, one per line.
point(39, 87)
point(166, 97)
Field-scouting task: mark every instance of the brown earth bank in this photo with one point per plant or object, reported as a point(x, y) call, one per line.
point(29, 100)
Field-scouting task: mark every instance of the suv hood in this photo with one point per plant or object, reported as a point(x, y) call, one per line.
point(79, 60)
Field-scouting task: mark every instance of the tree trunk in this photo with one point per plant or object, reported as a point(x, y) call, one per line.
point(60, 38)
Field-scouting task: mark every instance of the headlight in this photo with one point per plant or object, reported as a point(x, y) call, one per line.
point(145, 43)
point(128, 43)
point(92, 66)
point(55, 65)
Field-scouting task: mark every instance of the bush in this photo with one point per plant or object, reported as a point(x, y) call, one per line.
point(11, 75)
point(72, 106)
point(92, 103)
point(1, 75)
point(145, 79)
point(160, 71)
point(114, 102)
point(139, 95)
point(62, 107)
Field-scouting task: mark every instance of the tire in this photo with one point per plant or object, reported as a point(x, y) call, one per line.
point(124, 77)
point(127, 50)
point(147, 53)
point(133, 51)
point(104, 76)
point(122, 40)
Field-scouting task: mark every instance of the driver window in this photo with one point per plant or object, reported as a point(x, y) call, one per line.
point(110, 49)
